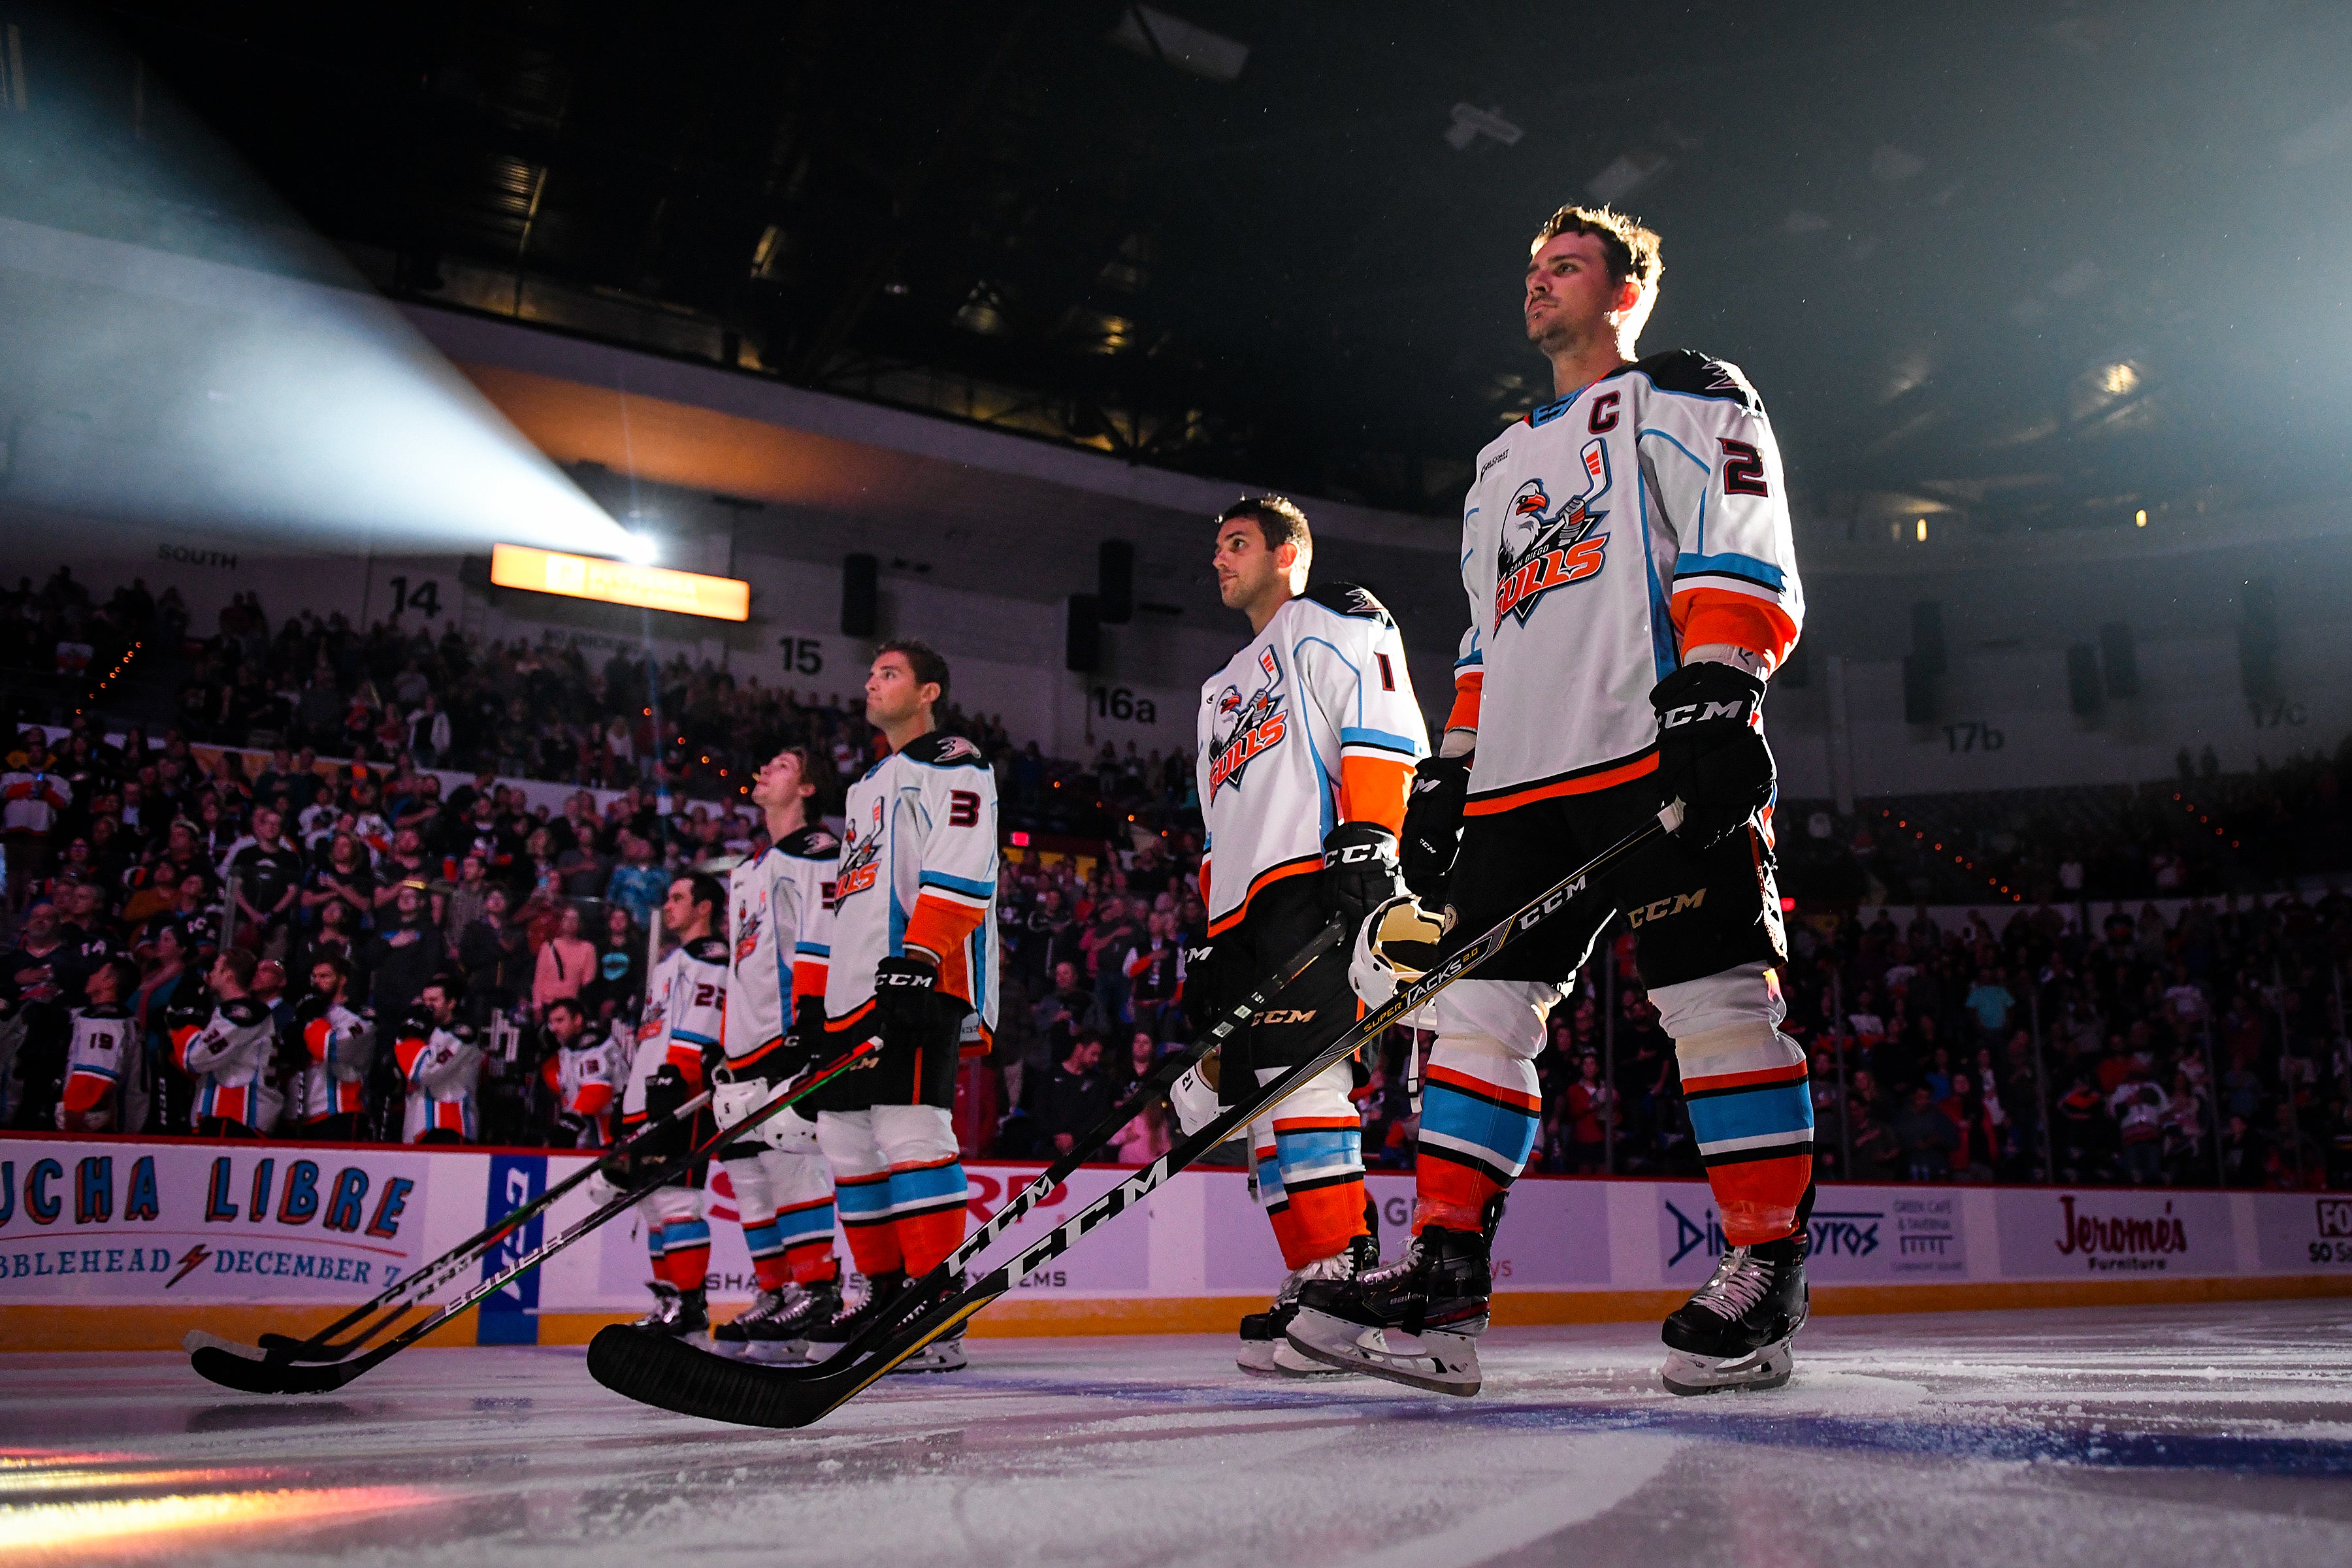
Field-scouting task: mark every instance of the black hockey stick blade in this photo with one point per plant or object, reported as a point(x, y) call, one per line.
point(395, 1300)
point(693, 1382)
point(247, 1376)
point(251, 1375)
point(940, 1284)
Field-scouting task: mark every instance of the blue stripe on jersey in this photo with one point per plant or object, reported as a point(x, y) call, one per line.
point(692, 1039)
point(1663, 651)
point(93, 1070)
point(813, 949)
point(1753, 1113)
point(1381, 738)
point(1342, 657)
point(1677, 446)
point(957, 884)
point(1730, 564)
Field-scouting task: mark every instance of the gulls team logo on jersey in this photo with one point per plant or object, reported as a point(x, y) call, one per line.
point(747, 923)
point(1545, 546)
point(860, 853)
point(1246, 726)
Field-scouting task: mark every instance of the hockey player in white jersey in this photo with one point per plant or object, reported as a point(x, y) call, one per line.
point(338, 1043)
point(230, 1056)
point(781, 930)
point(1627, 555)
point(685, 1014)
point(913, 956)
point(105, 1089)
point(1308, 739)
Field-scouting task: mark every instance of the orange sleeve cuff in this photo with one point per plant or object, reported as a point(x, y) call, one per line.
point(84, 1090)
point(1468, 687)
point(688, 1060)
point(1705, 616)
point(1374, 789)
point(939, 926)
point(808, 979)
point(594, 1099)
point(405, 1053)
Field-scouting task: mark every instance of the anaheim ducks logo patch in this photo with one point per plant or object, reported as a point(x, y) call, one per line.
point(1246, 728)
point(956, 749)
point(1546, 547)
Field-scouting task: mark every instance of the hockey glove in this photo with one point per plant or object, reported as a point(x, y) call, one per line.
point(1711, 752)
point(665, 1092)
point(1433, 825)
point(1359, 871)
point(903, 988)
point(1200, 987)
point(1397, 943)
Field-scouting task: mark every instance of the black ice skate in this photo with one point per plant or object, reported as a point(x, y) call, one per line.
point(1265, 1350)
point(677, 1314)
point(1736, 1331)
point(1414, 1322)
point(826, 1338)
point(776, 1327)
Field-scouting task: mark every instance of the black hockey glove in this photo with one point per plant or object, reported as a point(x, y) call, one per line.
point(1200, 987)
point(903, 988)
point(1433, 825)
point(665, 1092)
point(1360, 871)
point(1711, 752)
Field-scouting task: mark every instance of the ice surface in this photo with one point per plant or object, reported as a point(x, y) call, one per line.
point(2214, 1434)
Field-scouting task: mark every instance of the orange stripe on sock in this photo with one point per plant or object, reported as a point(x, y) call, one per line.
point(1452, 1079)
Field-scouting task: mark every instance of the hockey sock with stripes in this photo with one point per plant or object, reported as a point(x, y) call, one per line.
point(1751, 1111)
point(927, 1209)
point(1479, 1108)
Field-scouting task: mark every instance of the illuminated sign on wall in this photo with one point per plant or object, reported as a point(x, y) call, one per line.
point(619, 583)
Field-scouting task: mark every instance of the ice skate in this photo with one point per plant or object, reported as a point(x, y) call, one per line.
point(1735, 1332)
point(942, 1354)
point(734, 1334)
point(826, 1338)
point(784, 1335)
point(1414, 1322)
point(1264, 1350)
point(678, 1314)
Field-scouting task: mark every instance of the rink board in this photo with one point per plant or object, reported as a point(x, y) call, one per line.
point(127, 1244)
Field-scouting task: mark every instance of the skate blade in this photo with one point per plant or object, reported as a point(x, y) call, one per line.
point(777, 1353)
point(1275, 1358)
point(934, 1357)
point(1439, 1362)
point(1688, 1374)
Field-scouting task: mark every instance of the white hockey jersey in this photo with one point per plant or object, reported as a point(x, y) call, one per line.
point(339, 1044)
point(586, 1077)
point(442, 1064)
point(1311, 724)
point(918, 868)
point(102, 1073)
point(229, 1059)
point(685, 1010)
point(1605, 533)
point(783, 931)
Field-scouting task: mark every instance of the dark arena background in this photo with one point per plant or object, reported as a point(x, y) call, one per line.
point(455, 460)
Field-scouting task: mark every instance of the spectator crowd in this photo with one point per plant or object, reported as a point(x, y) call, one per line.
point(396, 944)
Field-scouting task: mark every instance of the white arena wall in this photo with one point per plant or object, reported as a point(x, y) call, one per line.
point(122, 1244)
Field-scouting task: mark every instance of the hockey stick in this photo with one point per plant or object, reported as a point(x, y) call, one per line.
point(658, 1371)
point(394, 1298)
point(248, 1375)
point(940, 1282)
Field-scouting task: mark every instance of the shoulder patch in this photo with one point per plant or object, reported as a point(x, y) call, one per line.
point(244, 1012)
point(707, 950)
point(942, 749)
point(1695, 375)
point(1351, 599)
point(810, 844)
